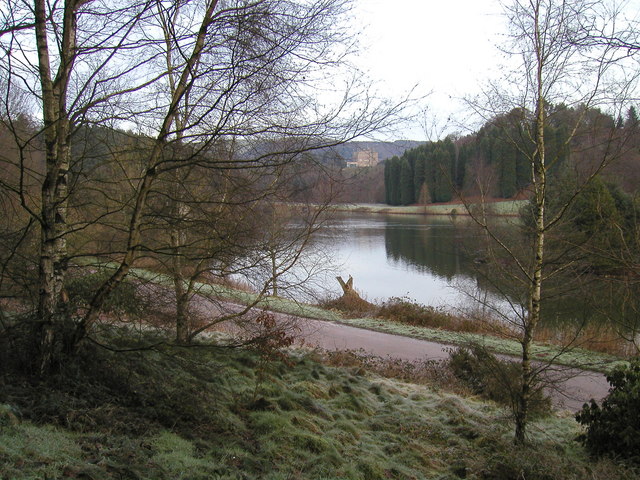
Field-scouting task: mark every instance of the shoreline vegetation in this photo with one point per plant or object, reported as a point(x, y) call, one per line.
point(577, 357)
point(499, 208)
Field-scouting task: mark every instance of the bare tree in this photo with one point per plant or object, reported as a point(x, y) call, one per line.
point(186, 76)
point(556, 65)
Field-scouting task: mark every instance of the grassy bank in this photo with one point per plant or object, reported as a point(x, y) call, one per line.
point(499, 208)
point(206, 412)
point(574, 357)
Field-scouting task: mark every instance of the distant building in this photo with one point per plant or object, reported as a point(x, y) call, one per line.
point(363, 158)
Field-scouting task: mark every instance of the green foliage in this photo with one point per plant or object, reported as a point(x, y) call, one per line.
point(494, 379)
point(440, 179)
point(601, 218)
point(392, 169)
point(418, 175)
point(8, 416)
point(124, 299)
point(596, 212)
point(434, 165)
point(387, 182)
point(632, 118)
point(504, 147)
point(613, 428)
point(406, 183)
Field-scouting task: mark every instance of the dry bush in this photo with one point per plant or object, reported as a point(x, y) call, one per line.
point(351, 305)
point(406, 311)
point(598, 338)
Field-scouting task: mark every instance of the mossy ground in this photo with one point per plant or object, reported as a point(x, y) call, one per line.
point(209, 412)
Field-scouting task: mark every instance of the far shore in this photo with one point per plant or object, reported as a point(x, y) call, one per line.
point(500, 208)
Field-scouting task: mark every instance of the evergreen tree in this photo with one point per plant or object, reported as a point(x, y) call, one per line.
point(506, 161)
point(430, 170)
point(387, 182)
point(464, 155)
point(418, 174)
point(632, 118)
point(394, 181)
point(442, 160)
point(406, 182)
point(619, 122)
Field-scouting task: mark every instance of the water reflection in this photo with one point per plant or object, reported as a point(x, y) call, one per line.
point(428, 247)
point(401, 256)
point(427, 259)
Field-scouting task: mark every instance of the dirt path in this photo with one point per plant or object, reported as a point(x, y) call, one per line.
point(574, 387)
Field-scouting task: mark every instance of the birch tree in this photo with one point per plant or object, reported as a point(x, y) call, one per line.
point(557, 63)
point(185, 76)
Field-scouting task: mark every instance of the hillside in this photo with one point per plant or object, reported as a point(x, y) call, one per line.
point(385, 150)
point(209, 412)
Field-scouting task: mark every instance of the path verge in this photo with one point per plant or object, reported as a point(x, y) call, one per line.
point(574, 357)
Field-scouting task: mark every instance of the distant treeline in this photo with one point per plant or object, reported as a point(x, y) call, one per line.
point(496, 159)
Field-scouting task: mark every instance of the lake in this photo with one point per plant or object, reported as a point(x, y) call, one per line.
point(426, 259)
point(414, 256)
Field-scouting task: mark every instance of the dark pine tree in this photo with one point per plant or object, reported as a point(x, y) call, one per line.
point(406, 182)
point(418, 174)
point(387, 182)
point(394, 181)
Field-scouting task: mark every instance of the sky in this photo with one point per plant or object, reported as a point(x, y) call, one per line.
point(445, 49)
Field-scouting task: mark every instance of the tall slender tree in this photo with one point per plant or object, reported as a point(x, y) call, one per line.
point(559, 64)
point(406, 182)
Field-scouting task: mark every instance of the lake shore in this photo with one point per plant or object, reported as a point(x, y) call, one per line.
point(502, 208)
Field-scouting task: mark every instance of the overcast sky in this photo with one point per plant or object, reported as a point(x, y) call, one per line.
point(445, 47)
point(449, 49)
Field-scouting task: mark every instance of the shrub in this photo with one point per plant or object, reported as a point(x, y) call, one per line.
point(407, 311)
point(613, 429)
point(494, 379)
point(404, 310)
point(350, 305)
point(124, 299)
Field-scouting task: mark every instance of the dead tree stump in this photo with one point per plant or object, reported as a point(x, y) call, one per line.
point(347, 287)
point(351, 301)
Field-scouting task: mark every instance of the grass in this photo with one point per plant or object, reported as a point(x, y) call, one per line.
point(440, 331)
point(497, 208)
point(204, 412)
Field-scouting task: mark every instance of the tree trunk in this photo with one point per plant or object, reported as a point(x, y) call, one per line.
point(181, 290)
point(539, 178)
point(347, 287)
point(183, 323)
point(55, 323)
point(274, 273)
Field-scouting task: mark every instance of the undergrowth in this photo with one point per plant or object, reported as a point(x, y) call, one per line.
point(207, 412)
point(351, 305)
point(455, 331)
point(404, 310)
point(495, 379)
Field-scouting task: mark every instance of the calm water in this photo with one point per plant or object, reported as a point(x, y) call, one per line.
point(426, 259)
point(410, 256)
